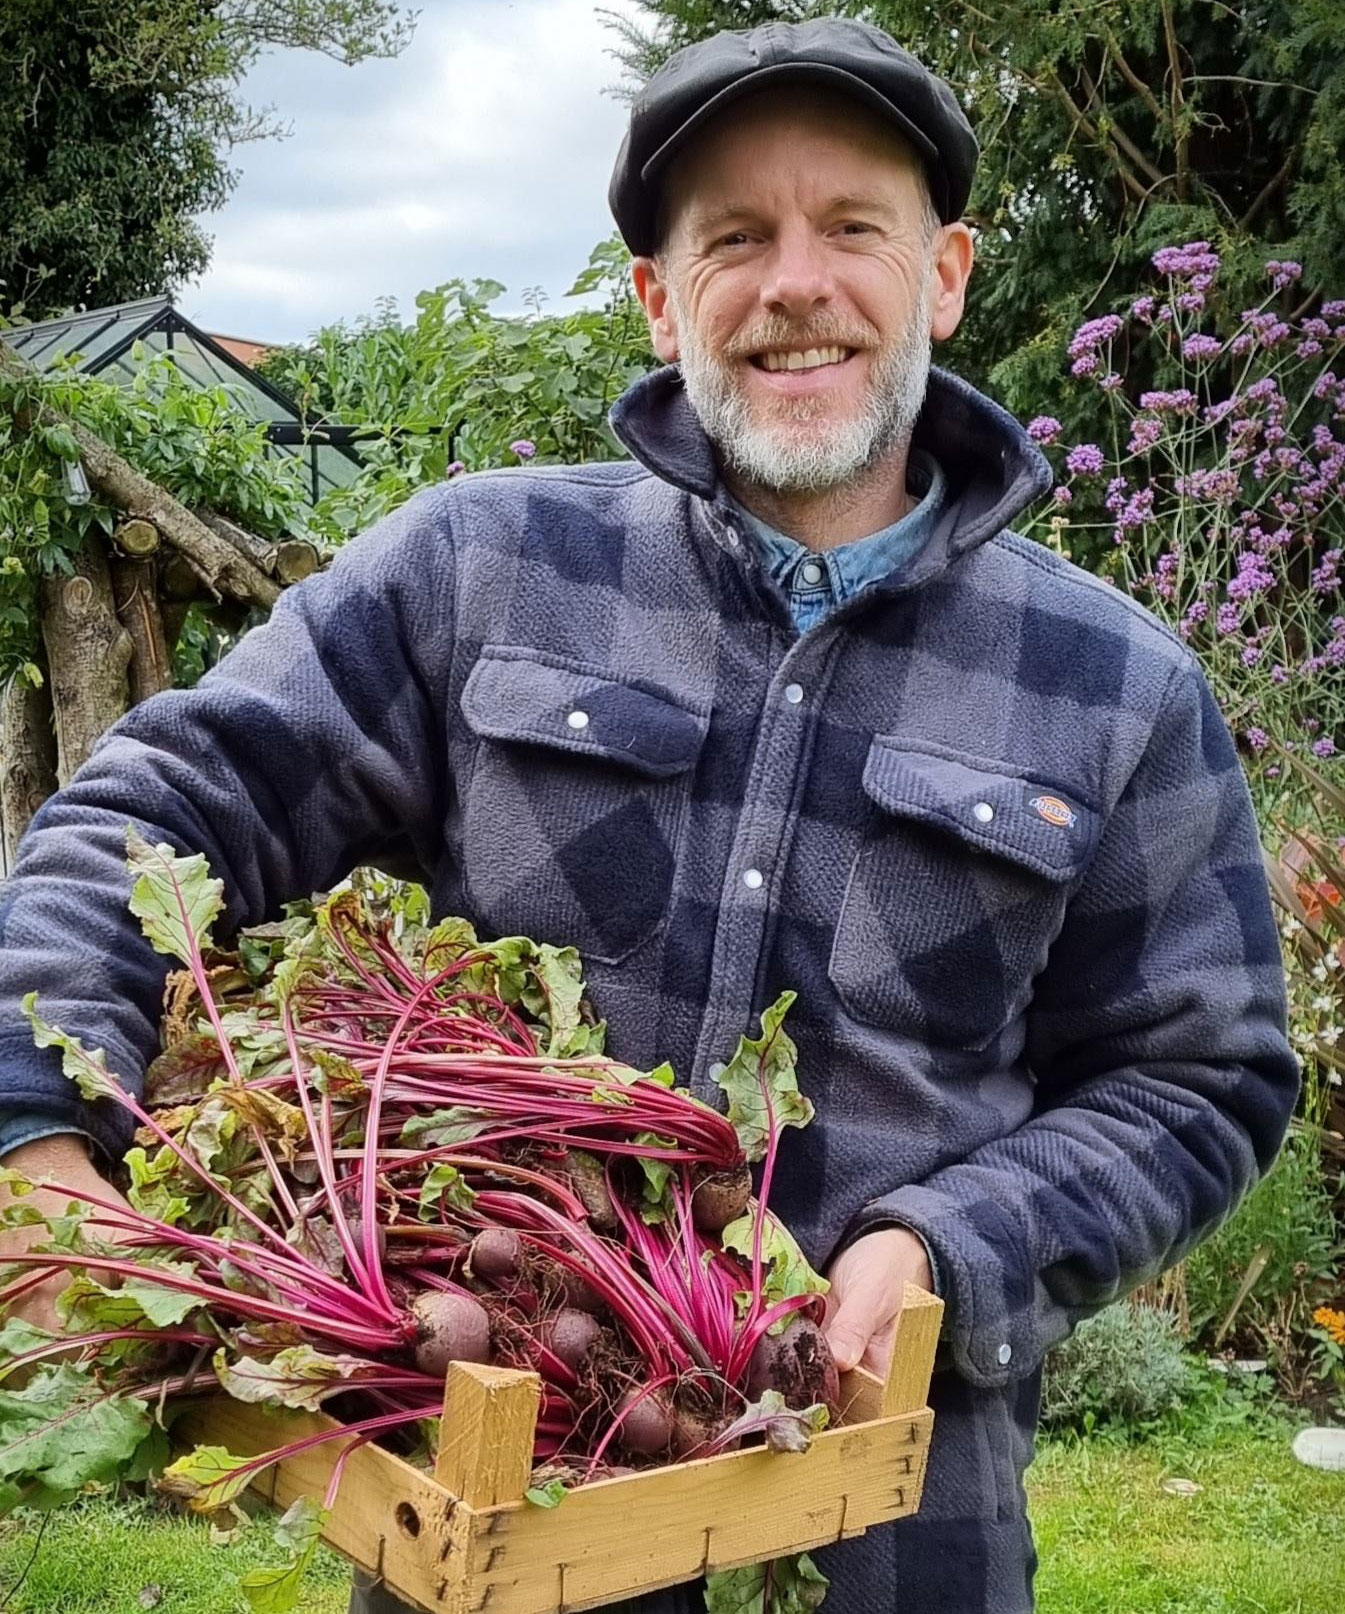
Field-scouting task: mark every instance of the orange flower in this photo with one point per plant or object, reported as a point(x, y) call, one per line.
point(1332, 1321)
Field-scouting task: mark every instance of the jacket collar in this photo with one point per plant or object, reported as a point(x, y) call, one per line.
point(994, 470)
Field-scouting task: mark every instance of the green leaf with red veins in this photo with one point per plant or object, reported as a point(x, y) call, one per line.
point(62, 1431)
point(150, 1190)
point(298, 1531)
point(786, 1270)
point(761, 1085)
point(87, 1068)
point(208, 1478)
point(175, 899)
point(444, 1184)
point(299, 1376)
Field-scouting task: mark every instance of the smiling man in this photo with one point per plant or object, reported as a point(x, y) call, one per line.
point(779, 702)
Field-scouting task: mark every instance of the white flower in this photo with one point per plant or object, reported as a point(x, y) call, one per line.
point(1323, 1003)
point(1319, 972)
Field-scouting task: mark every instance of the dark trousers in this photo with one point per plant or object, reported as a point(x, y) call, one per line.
point(370, 1596)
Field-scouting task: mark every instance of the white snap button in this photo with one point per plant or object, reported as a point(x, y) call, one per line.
point(983, 812)
point(811, 572)
point(717, 1070)
point(577, 719)
point(752, 879)
point(1005, 1355)
point(731, 536)
point(793, 693)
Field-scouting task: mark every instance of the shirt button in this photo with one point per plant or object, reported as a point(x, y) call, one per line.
point(1005, 1355)
point(983, 812)
point(577, 719)
point(811, 572)
point(793, 693)
point(717, 1070)
point(731, 537)
point(752, 879)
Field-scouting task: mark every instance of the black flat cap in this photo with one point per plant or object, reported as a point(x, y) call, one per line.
point(853, 57)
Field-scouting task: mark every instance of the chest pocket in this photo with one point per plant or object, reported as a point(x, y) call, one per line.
point(955, 895)
point(576, 805)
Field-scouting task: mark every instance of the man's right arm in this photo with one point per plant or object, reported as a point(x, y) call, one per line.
point(315, 744)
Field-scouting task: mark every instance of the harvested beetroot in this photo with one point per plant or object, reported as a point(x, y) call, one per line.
point(497, 1255)
point(721, 1197)
point(798, 1363)
point(647, 1422)
point(571, 1335)
point(450, 1327)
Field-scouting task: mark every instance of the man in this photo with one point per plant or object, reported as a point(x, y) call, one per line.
point(778, 702)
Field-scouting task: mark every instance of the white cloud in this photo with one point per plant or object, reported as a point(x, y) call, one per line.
point(483, 150)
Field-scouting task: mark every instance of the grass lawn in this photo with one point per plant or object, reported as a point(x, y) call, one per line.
point(1262, 1536)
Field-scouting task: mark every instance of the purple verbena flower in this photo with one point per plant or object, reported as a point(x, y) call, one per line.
point(1201, 346)
point(1195, 258)
point(1043, 429)
point(1094, 334)
point(1181, 401)
point(1227, 618)
point(455, 468)
point(1325, 747)
point(1085, 364)
point(1144, 433)
point(1143, 308)
point(1283, 273)
point(1063, 496)
point(1258, 739)
point(523, 448)
point(1085, 459)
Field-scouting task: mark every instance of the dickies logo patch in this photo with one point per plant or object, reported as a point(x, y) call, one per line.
point(1054, 811)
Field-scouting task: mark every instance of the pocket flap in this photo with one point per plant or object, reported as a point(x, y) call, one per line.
point(1037, 826)
point(516, 695)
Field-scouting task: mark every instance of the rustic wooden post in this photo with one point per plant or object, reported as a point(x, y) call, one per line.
point(486, 1433)
point(88, 653)
point(27, 761)
point(138, 612)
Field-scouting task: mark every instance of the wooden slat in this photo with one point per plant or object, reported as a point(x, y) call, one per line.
point(486, 1433)
point(619, 1537)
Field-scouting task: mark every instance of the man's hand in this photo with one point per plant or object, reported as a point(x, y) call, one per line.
point(867, 1281)
point(63, 1158)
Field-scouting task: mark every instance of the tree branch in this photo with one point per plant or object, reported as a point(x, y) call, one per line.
point(1181, 136)
point(1085, 125)
point(1133, 79)
point(1118, 134)
point(1266, 193)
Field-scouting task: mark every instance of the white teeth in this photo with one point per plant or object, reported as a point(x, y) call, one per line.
point(809, 359)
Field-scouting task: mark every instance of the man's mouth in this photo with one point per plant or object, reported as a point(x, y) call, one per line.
point(809, 358)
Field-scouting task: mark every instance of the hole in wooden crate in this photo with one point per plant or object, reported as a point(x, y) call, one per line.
point(408, 1520)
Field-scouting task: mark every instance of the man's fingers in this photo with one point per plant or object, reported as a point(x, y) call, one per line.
point(852, 1326)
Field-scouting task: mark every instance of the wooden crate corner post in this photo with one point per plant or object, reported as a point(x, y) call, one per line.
point(906, 1388)
point(486, 1433)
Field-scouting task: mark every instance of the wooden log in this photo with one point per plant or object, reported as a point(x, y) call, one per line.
point(137, 606)
point(88, 654)
point(27, 760)
point(296, 559)
point(136, 538)
point(177, 577)
point(220, 566)
point(289, 561)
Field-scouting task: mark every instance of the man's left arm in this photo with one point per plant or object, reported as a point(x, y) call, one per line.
point(1164, 1079)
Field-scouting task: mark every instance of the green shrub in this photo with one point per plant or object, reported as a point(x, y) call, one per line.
point(1124, 1366)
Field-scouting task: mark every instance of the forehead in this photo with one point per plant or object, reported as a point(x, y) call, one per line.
point(803, 143)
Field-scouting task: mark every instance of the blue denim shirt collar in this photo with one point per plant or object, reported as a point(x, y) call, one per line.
point(817, 581)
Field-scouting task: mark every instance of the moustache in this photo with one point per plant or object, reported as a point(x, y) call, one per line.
point(777, 339)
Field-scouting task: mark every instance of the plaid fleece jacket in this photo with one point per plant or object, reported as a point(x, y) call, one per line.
point(985, 819)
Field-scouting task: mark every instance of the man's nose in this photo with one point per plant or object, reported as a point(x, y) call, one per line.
point(798, 275)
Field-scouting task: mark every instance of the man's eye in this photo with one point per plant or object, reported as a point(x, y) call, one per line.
point(855, 226)
point(733, 239)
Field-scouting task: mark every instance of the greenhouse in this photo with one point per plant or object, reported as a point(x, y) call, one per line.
point(111, 342)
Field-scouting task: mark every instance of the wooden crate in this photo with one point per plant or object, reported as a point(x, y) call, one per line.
point(464, 1542)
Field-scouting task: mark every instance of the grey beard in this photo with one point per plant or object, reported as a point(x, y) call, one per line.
point(771, 455)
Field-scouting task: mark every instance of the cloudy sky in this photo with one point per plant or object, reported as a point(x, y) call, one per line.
point(484, 149)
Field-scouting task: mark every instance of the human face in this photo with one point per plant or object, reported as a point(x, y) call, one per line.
point(800, 286)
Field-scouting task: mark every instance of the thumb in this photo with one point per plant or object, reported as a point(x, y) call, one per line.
point(851, 1326)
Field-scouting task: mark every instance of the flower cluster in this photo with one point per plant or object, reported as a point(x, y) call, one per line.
point(1332, 1321)
point(1224, 501)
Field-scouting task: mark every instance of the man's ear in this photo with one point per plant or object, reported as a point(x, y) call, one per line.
point(953, 256)
point(652, 291)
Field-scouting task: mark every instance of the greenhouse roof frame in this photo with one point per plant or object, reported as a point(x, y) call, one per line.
point(100, 339)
